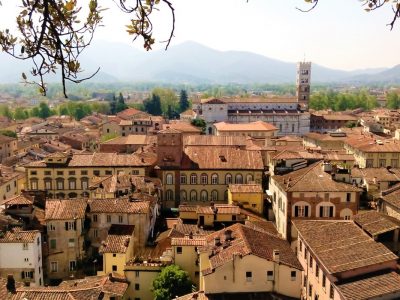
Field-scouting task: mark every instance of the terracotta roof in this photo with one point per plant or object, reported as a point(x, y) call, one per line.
point(374, 287)
point(341, 245)
point(65, 209)
point(378, 174)
point(227, 209)
point(212, 101)
point(213, 140)
point(113, 183)
point(245, 188)
point(183, 127)
point(312, 179)
point(194, 296)
point(118, 205)
point(18, 200)
point(16, 235)
point(253, 126)
point(376, 223)
point(106, 159)
point(187, 208)
point(263, 225)
point(368, 144)
point(340, 117)
point(186, 241)
point(204, 210)
point(133, 139)
point(392, 196)
point(247, 241)
point(221, 158)
point(252, 100)
point(115, 244)
point(335, 156)
point(6, 139)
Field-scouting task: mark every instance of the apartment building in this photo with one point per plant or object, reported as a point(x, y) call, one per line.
point(65, 175)
point(65, 221)
point(341, 261)
point(257, 130)
point(8, 145)
point(311, 193)
point(250, 196)
point(21, 256)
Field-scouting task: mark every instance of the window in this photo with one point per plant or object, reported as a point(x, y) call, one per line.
point(183, 179)
point(137, 286)
point(183, 195)
point(326, 211)
point(85, 183)
point(238, 179)
point(317, 271)
point(214, 179)
point(120, 219)
point(270, 275)
point(137, 274)
point(292, 127)
point(331, 292)
point(300, 246)
point(203, 195)
point(47, 184)
point(34, 184)
point(95, 233)
point(47, 173)
point(193, 195)
point(114, 268)
point(72, 183)
point(178, 250)
point(54, 266)
point(169, 195)
point(71, 242)
point(310, 290)
point(323, 280)
point(305, 280)
point(311, 262)
point(96, 172)
point(204, 179)
point(84, 172)
point(94, 217)
point(60, 183)
point(348, 197)
point(170, 179)
point(394, 163)
point(108, 218)
point(214, 195)
point(108, 172)
point(33, 172)
point(70, 226)
point(249, 178)
point(25, 246)
point(71, 173)
point(228, 179)
point(301, 211)
point(53, 244)
point(51, 227)
point(193, 179)
point(370, 163)
point(72, 265)
point(293, 275)
point(249, 276)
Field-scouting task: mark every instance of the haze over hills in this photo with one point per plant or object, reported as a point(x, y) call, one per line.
point(194, 63)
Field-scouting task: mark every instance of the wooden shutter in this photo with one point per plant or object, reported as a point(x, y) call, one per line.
point(321, 211)
point(296, 211)
point(306, 211)
point(331, 211)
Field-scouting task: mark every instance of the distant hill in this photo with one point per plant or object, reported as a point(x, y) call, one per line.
point(194, 63)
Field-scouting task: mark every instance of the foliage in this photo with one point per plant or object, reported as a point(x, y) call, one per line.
point(392, 101)
point(153, 105)
point(184, 103)
point(168, 100)
point(21, 114)
point(342, 101)
point(171, 282)
point(121, 103)
point(9, 133)
point(5, 111)
point(78, 110)
point(200, 123)
point(44, 110)
point(108, 136)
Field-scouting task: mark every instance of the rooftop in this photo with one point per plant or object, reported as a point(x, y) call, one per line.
point(65, 209)
point(118, 205)
point(341, 245)
point(16, 235)
point(253, 126)
point(375, 223)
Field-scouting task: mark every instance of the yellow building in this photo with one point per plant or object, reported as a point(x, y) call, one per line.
point(250, 196)
point(117, 249)
point(8, 145)
point(66, 175)
point(370, 152)
point(258, 129)
point(239, 259)
point(200, 175)
point(11, 182)
point(65, 227)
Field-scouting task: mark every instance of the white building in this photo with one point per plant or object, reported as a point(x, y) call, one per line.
point(21, 256)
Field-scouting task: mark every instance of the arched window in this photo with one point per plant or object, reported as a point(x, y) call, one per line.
point(34, 183)
point(60, 195)
point(85, 183)
point(169, 195)
point(193, 178)
point(238, 179)
point(325, 210)
point(72, 183)
point(183, 195)
point(60, 183)
point(47, 183)
point(203, 195)
point(214, 195)
point(193, 195)
point(214, 179)
point(301, 210)
point(228, 179)
point(183, 179)
point(170, 179)
point(72, 195)
point(85, 194)
point(249, 178)
point(204, 178)
point(346, 214)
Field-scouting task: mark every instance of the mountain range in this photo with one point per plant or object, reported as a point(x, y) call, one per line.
point(194, 63)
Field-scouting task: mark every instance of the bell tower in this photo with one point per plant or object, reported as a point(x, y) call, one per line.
point(303, 81)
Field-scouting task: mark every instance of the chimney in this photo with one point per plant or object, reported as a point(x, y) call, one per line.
point(10, 284)
point(275, 255)
point(217, 241)
point(228, 235)
point(191, 235)
point(195, 296)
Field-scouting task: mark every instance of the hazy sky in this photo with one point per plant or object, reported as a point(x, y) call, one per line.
point(338, 33)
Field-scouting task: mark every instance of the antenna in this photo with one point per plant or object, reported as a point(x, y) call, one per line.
point(304, 57)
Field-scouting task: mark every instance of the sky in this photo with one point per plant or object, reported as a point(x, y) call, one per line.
point(338, 33)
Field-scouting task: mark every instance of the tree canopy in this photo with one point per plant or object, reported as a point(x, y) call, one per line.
point(171, 282)
point(54, 33)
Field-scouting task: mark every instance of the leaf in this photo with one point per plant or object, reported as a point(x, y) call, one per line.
point(24, 76)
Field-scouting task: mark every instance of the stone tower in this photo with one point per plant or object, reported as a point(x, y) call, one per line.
point(303, 81)
point(169, 148)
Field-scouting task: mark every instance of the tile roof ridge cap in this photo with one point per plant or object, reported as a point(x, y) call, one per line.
point(310, 167)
